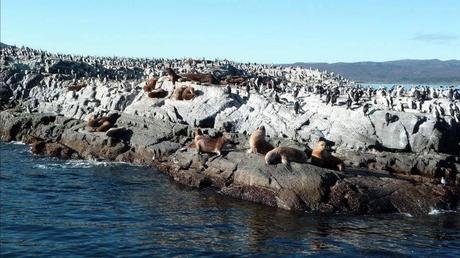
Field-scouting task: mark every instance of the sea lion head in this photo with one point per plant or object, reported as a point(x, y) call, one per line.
point(198, 131)
point(321, 145)
point(169, 71)
point(227, 136)
point(261, 129)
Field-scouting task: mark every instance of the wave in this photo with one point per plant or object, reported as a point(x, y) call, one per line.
point(81, 164)
point(16, 143)
point(440, 211)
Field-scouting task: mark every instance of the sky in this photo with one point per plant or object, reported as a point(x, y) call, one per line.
point(247, 30)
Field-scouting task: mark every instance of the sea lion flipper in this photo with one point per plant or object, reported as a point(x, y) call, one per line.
point(288, 166)
point(286, 163)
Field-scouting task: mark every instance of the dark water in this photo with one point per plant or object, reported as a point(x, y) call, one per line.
point(67, 208)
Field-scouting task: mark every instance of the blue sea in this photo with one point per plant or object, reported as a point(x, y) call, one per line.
point(409, 85)
point(55, 208)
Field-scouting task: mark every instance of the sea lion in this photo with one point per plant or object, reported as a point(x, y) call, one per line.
point(286, 155)
point(159, 93)
point(183, 93)
point(76, 87)
point(198, 134)
point(188, 93)
point(201, 78)
point(212, 145)
point(177, 93)
point(322, 158)
point(172, 75)
point(102, 124)
point(150, 84)
point(257, 142)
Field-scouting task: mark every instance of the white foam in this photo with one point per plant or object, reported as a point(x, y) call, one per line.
point(407, 214)
point(440, 211)
point(17, 143)
point(82, 164)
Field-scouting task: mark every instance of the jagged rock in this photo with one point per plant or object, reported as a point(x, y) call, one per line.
point(415, 148)
point(5, 94)
point(238, 174)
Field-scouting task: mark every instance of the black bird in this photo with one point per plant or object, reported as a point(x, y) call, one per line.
point(417, 95)
point(228, 90)
point(277, 98)
point(450, 94)
point(328, 98)
point(365, 108)
point(296, 107)
point(437, 115)
point(388, 118)
point(451, 109)
point(356, 97)
point(334, 99)
point(296, 92)
point(441, 110)
point(349, 102)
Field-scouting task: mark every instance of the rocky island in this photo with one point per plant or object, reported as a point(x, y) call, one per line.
point(400, 146)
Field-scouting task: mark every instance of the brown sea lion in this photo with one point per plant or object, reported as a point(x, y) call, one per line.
point(188, 93)
point(198, 135)
point(201, 78)
point(286, 155)
point(76, 87)
point(322, 158)
point(183, 93)
point(150, 84)
point(212, 145)
point(172, 75)
point(159, 93)
point(177, 93)
point(257, 142)
point(102, 124)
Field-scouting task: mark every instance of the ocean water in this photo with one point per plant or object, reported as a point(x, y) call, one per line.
point(409, 85)
point(55, 208)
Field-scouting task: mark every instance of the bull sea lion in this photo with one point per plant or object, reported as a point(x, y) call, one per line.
point(102, 124)
point(257, 142)
point(322, 158)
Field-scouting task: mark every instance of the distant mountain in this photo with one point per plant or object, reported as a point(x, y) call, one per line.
point(400, 71)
